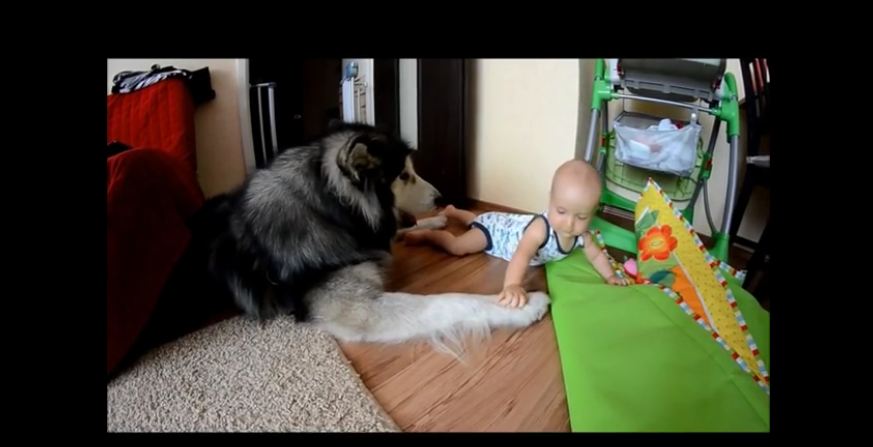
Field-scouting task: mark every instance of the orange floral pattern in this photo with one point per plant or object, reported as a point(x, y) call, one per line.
point(658, 243)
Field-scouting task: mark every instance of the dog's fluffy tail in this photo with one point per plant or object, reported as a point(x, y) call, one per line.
point(353, 307)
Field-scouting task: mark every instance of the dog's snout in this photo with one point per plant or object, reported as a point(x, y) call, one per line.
point(439, 201)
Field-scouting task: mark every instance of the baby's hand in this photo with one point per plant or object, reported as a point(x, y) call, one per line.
point(512, 296)
point(616, 281)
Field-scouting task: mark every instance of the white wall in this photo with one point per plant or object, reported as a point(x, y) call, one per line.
point(365, 72)
point(409, 101)
point(524, 115)
point(219, 143)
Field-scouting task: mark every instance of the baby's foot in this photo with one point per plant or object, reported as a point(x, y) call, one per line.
point(447, 211)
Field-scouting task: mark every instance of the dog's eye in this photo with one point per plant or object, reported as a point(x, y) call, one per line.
point(404, 176)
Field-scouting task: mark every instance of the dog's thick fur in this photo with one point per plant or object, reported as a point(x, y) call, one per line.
point(310, 235)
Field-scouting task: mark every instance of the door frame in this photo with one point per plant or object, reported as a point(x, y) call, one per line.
point(442, 104)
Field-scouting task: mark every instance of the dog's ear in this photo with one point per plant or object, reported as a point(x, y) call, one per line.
point(386, 129)
point(361, 157)
point(358, 161)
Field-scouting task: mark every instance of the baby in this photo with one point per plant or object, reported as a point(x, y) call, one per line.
point(525, 240)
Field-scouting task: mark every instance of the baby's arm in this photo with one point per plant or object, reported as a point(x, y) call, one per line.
point(513, 294)
point(600, 262)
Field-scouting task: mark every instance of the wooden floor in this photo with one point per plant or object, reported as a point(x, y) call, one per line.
point(510, 382)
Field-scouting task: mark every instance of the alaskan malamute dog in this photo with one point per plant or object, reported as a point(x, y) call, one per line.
point(310, 235)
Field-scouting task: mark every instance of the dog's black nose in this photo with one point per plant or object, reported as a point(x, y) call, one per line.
point(440, 201)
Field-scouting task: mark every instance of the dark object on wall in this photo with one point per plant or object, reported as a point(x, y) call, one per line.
point(198, 81)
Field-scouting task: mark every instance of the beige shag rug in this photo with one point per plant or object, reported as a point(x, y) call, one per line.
point(239, 375)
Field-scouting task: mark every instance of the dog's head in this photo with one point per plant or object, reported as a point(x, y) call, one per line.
point(375, 160)
point(413, 194)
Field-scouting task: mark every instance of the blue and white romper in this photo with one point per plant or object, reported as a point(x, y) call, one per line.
point(504, 232)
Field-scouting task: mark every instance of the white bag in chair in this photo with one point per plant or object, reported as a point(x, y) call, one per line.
point(661, 148)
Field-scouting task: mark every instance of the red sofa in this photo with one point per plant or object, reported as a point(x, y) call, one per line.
point(152, 189)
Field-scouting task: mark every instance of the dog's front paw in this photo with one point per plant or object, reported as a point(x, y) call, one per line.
point(530, 313)
point(537, 305)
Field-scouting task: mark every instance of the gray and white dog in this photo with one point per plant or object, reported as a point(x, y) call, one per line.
point(310, 235)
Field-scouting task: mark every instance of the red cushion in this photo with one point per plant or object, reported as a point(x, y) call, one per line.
point(158, 116)
point(150, 195)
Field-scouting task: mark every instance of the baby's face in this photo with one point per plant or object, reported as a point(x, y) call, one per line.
point(571, 210)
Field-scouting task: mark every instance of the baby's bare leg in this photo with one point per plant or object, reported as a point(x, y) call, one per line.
point(473, 241)
point(464, 216)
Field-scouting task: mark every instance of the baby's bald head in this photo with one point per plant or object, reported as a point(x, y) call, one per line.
point(576, 183)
